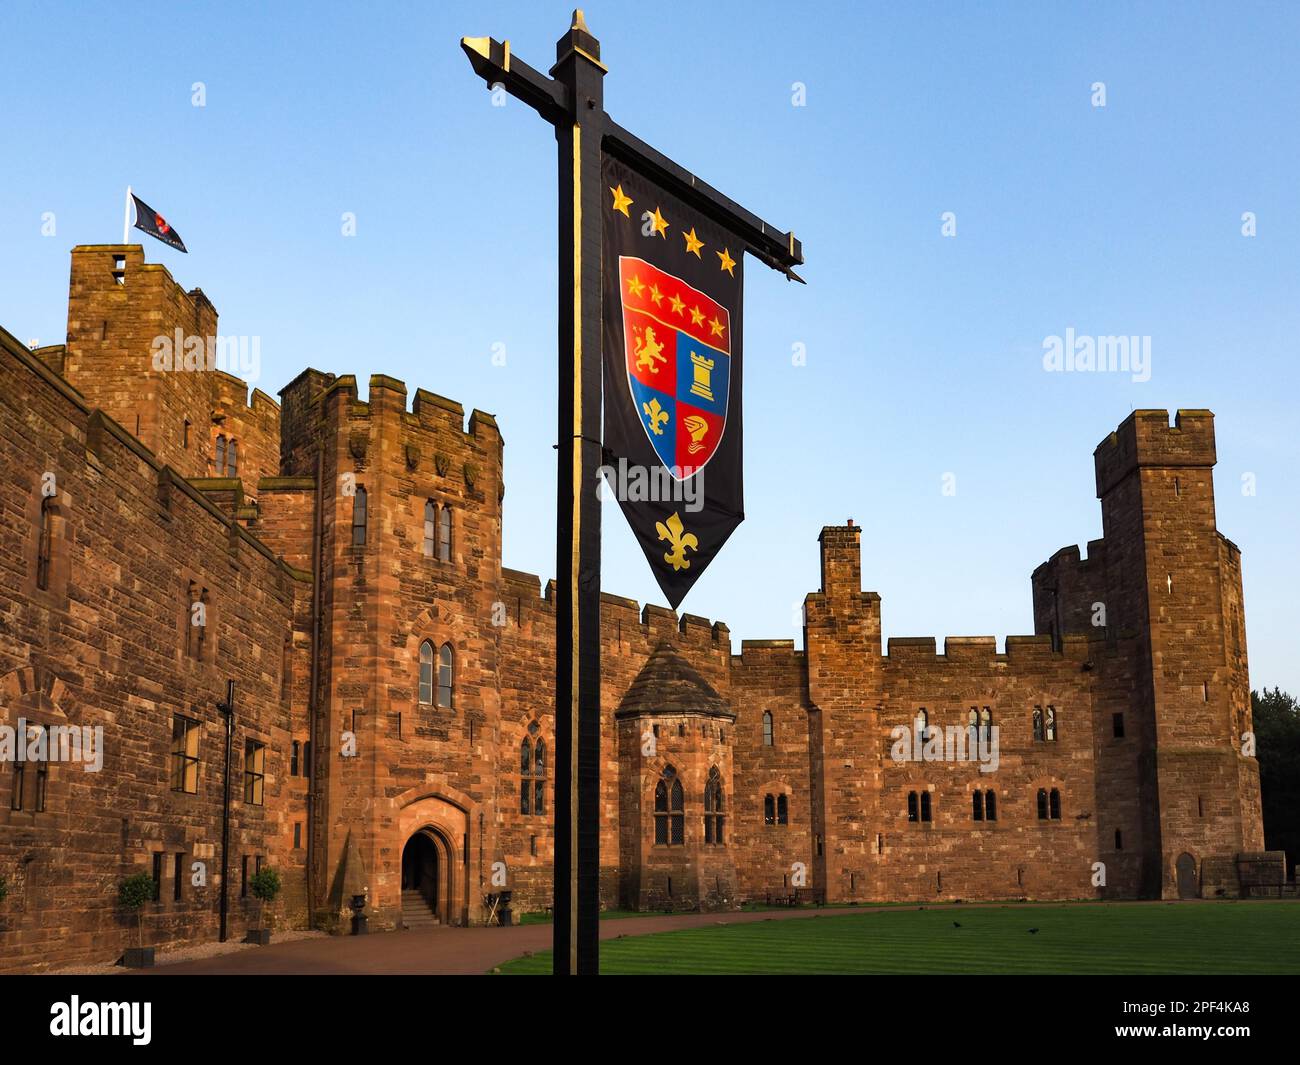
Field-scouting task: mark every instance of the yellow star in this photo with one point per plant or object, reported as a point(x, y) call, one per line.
point(656, 296)
point(635, 285)
point(697, 315)
point(660, 224)
point(677, 303)
point(621, 202)
point(693, 243)
point(716, 326)
point(727, 261)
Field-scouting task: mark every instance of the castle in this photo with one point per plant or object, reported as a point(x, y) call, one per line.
point(393, 718)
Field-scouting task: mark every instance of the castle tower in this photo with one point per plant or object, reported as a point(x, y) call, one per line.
point(1174, 581)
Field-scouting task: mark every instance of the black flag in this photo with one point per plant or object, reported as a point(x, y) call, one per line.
point(149, 220)
point(673, 434)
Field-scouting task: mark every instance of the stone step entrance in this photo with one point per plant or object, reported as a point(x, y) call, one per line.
point(417, 914)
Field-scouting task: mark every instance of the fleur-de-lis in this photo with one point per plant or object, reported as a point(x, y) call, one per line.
point(658, 417)
point(679, 540)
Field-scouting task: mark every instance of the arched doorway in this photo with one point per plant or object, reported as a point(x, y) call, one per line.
point(421, 880)
point(1185, 868)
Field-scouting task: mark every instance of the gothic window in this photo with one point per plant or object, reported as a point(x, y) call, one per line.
point(359, 517)
point(254, 772)
point(713, 815)
point(1049, 724)
point(769, 809)
point(232, 458)
point(444, 535)
point(426, 673)
point(986, 724)
point(532, 772)
point(972, 725)
point(220, 463)
point(923, 724)
point(767, 728)
point(445, 677)
point(1042, 804)
point(670, 807)
point(185, 754)
point(44, 542)
point(430, 529)
point(782, 810)
point(1038, 724)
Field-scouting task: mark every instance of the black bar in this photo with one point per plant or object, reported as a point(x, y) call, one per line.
point(228, 711)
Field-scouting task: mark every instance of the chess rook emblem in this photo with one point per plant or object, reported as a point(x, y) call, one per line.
point(678, 361)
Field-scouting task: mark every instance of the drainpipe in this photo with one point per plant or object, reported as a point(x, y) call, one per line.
point(312, 702)
point(228, 712)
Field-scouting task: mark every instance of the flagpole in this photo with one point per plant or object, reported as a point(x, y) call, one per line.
point(126, 216)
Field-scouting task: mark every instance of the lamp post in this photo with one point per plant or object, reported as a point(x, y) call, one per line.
point(227, 710)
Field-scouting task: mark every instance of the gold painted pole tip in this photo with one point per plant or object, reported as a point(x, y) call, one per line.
point(478, 45)
point(579, 23)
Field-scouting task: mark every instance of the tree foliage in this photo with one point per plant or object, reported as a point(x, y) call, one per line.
point(1277, 739)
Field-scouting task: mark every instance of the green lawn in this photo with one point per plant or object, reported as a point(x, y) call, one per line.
point(1220, 937)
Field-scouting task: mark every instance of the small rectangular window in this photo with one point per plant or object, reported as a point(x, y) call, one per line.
point(1117, 726)
point(297, 835)
point(185, 755)
point(294, 748)
point(254, 772)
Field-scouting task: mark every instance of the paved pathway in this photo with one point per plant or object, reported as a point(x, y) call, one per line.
point(442, 950)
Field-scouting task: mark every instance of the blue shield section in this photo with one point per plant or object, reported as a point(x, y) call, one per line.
point(703, 374)
point(658, 413)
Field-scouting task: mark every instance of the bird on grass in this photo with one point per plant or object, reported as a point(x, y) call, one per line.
point(956, 924)
point(1033, 931)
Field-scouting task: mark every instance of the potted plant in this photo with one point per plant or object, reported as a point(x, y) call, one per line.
point(265, 885)
point(133, 893)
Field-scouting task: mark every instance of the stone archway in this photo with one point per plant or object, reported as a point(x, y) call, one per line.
point(1185, 871)
point(428, 874)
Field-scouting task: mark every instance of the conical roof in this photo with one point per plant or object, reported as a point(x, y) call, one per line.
point(668, 684)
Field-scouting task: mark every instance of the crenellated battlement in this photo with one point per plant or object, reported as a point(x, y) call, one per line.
point(1145, 438)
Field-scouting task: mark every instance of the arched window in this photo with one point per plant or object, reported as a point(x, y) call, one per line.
point(925, 806)
point(1042, 804)
point(232, 458)
point(430, 529)
point(1054, 804)
point(445, 677)
point(1049, 727)
point(767, 728)
point(977, 807)
point(444, 535)
point(923, 724)
point(532, 772)
point(1038, 724)
point(782, 809)
point(713, 817)
point(972, 726)
point(913, 807)
point(990, 806)
point(769, 809)
point(44, 542)
point(359, 517)
point(986, 724)
point(426, 673)
point(670, 806)
point(220, 464)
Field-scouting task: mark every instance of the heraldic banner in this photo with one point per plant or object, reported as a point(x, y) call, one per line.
point(672, 375)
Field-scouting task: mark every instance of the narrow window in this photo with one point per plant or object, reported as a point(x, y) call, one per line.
point(430, 529)
point(359, 517)
point(972, 726)
point(670, 806)
point(769, 809)
point(185, 754)
point(1038, 724)
point(525, 772)
point(445, 685)
point(243, 877)
point(923, 724)
point(990, 806)
point(1117, 725)
point(444, 535)
point(539, 777)
point(1200, 806)
point(912, 808)
point(782, 810)
point(185, 435)
point(254, 772)
point(45, 542)
point(767, 728)
point(713, 814)
point(220, 463)
point(1042, 804)
point(1055, 804)
point(426, 673)
point(1049, 724)
point(297, 835)
point(16, 795)
point(532, 772)
point(1205, 691)
point(232, 458)
point(306, 759)
point(42, 772)
point(1119, 840)
point(977, 807)
point(925, 806)
point(157, 875)
point(178, 875)
point(986, 724)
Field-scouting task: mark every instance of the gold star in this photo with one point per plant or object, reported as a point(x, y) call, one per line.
point(727, 261)
point(621, 202)
point(716, 326)
point(677, 303)
point(660, 224)
point(656, 296)
point(697, 315)
point(635, 285)
point(693, 243)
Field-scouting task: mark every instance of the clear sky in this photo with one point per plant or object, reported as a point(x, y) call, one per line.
point(924, 352)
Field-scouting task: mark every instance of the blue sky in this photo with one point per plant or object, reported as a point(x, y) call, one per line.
point(924, 352)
